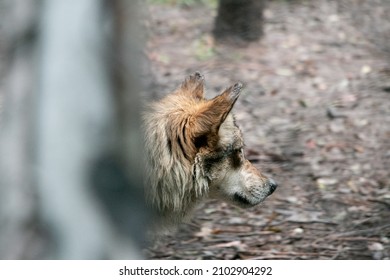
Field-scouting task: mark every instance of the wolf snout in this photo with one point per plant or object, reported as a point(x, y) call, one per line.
point(272, 186)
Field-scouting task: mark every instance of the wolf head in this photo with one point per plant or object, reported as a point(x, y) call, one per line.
point(196, 150)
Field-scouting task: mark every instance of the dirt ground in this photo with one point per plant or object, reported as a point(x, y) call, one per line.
point(315, 114)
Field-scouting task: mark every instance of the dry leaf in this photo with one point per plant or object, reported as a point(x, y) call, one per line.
point(284, 72)
point(375, 246)
point(366, 70)
point(237, 244)
point(204, 231)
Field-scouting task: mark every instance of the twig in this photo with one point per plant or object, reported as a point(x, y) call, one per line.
point(313, 222)
point(385, 203)
point(358, 232)
point(359, 238)
point(264, 255)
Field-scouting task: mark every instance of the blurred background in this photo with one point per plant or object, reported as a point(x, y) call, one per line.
point(315, 114)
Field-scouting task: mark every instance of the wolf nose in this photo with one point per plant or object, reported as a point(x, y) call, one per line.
point(272, 185)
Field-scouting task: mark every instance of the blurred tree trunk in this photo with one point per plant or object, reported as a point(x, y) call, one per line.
point(71, 179)
point(19, 230)
point(239, 20)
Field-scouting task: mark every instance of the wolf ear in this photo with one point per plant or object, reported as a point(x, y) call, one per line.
point(194, 85)
point(223, 103)
point(214, 113)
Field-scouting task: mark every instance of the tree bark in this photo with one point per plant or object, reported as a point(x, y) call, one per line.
point(239, 20)
point(70, 140)
point(18, 208)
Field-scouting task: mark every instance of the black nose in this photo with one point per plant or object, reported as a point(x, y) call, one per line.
point(272, 185)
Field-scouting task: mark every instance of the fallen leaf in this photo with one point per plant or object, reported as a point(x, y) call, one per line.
point(237, 244)
point(274, 229)
point(292, 199)
point(284, 72)
point(360, 122)
point(334, 18)
point(298, 231)
point(348, 98)
point(365, 70)
point(336, 127)
point(204, 231)
point(352, 186)
point(302, 103)
point(385, 240)
point(321, 186)
point(311, 144)
point(358, 148)
point(332, 113)
point(375, 246)
point(327, 181)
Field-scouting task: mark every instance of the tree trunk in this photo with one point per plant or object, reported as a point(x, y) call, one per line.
point(70, 139)
point(239, 20)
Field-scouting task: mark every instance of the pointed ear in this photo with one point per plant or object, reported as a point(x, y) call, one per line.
point(209, 119)
point(194, 85)
point(224, 102)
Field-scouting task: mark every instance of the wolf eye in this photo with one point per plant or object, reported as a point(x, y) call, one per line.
point(238, 151)
point(200, 141)
point(236, 158)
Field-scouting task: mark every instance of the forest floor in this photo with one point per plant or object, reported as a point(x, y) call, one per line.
point(315, 114)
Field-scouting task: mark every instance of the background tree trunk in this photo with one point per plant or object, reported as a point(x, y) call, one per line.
point(19, 220)
point(71, 179)
point(239, 20)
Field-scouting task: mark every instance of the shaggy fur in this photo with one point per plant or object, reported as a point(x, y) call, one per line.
point(195, 150)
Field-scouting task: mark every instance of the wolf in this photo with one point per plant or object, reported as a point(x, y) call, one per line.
point(195, 150)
